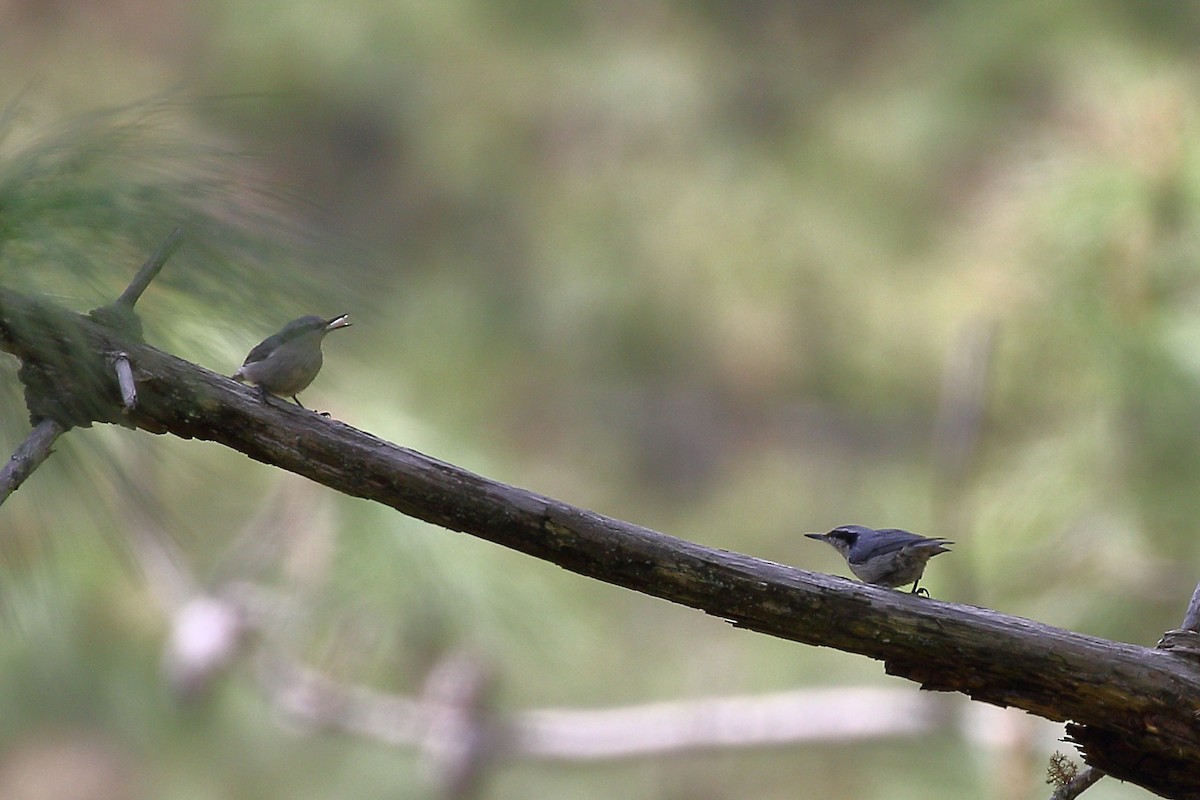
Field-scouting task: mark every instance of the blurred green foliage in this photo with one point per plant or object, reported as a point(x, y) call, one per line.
point(699, 265)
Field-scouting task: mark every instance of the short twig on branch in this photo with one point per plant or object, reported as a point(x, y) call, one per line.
point(118, 315)
point(1191, 619)
point(125, 382)
point(151, 268)
point(1078, 785)
point(30, 454)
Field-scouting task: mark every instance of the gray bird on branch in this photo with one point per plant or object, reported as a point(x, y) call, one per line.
point(887, 557)
point(286, 363)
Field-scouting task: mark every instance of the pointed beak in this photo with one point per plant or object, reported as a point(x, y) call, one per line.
point(821, 536)
point(340, 321)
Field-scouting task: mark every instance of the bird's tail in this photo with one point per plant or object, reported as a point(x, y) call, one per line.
point(930, 547)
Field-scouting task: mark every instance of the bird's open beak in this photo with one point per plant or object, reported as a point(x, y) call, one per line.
point(341, 321)
point(820, 536)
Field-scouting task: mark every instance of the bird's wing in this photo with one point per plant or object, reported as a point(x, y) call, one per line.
point(911, 538)
point(894, 539)
point(263, 349)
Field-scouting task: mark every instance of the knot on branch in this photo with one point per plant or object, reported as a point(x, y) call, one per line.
point(1181, 642)
point(67, 381)
point(121, 319)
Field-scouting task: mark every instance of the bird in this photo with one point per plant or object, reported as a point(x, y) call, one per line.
point(286, 363)
point(886, 557)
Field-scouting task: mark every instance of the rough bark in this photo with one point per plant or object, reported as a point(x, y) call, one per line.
point(1134, 709)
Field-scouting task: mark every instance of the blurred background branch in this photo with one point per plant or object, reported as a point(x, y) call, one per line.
point(465, 736)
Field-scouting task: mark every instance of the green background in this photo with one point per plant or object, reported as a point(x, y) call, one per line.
point(707, 267)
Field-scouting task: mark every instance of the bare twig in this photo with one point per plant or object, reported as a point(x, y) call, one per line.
point(125, 382)
point(151, 268)
point(1077, 787)
point(1185, 640)
point(1191, 619)
point(29, 455)
point(118, 315)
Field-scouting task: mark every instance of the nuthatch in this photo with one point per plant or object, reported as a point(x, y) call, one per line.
point(286, 363)
point(886, 557)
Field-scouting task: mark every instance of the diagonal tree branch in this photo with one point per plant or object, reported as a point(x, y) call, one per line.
point(1134, 708)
